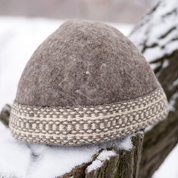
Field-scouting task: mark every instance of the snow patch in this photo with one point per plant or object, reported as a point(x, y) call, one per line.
point(105, 155)
point(14, 155)
point(153, 53)
point(29, 160)
point(149, 128)
point(20, 159)
point(157, 31)
point(172, 46)
point(99, 160)
point(155, 65)
point(126, 143)
point(165, 63)
point(95, 164)
point(175, 83)
point(173, 101)
point(169, 166)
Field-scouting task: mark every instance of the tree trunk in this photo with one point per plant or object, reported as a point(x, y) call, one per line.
point(162, 138)
point(125, 164)
point(4, 115)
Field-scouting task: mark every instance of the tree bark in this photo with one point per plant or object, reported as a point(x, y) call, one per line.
point(4, 115)
point(163, 137)
point(125, 164)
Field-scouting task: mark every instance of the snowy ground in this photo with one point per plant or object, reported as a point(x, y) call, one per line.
point(169, 168)
point(19, 37)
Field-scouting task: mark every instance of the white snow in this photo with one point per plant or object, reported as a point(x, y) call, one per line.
point(155, 65)
point(13, 155)
point(175, 83)
point(105, 155)
point(126, 143)
point(19, 159)
point(149, 128)
point(152, 29)
point(169, 37)
point(100, 159)
point(172, 46)
point(25, 160)
point(153, 53)
point(173, 101)
point(165, 63)
point(168, 169)
point(95, 164)
point(19, 38)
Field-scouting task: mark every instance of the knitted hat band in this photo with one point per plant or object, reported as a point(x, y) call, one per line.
point(86, 125)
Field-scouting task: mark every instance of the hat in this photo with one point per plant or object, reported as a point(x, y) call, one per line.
point(85, 84)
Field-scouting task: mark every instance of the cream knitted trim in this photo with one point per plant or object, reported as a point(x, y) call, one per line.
point(87, 125)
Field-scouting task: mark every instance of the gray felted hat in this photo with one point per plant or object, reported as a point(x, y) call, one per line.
point(86, 83)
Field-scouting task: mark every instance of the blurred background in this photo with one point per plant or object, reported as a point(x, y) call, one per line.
point(125, 11)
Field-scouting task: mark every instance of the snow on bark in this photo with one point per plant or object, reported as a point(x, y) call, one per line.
point(100, 159)
point(156, 34)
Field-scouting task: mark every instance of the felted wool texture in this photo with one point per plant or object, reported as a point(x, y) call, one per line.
point(82, 64)
point(85, 84)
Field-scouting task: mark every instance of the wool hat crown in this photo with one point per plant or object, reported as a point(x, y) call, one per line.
point(86, 83)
